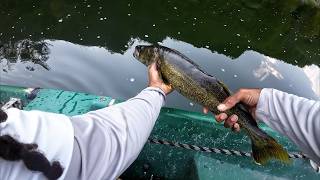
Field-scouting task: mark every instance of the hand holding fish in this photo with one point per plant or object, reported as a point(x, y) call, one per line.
point(156, 81)
point(187, 78)
point(249, 97)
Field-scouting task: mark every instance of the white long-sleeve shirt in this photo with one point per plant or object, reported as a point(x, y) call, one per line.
point(110, 139)
point(53, 133)
point(295, 117)
point(119, 133)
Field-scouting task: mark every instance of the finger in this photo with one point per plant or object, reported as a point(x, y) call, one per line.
point(205, 110)
point(229, 103)
point(216, 117)
point(153, 73)
point(236, 127)
point(221, 117)
point(150, 66)
point(231, 120)
point(153, 68)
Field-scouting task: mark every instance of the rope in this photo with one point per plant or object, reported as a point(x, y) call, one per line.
point(294, 155)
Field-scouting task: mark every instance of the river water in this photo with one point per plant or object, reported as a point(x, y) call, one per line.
point(87, 46)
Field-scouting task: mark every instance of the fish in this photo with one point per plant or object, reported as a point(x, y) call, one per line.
point(186, 77)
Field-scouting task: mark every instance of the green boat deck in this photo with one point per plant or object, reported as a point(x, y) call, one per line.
point(158, 161)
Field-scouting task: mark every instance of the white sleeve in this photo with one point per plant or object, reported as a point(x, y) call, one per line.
point(129, 125)
point(295, 117)
point(140, 114)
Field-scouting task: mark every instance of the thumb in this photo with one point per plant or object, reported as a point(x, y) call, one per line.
point(153, 72)
point(230, 102)
point(152, 66)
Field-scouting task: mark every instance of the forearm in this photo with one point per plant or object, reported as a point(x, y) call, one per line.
point(295, 117)
point(128, 126)
point(140, 114)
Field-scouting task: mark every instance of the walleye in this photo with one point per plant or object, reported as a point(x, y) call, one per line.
point(189, 80)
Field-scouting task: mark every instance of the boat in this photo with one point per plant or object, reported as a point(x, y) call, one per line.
point(183, 144)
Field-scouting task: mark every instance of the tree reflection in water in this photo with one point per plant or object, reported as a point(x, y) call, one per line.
point(24, 51)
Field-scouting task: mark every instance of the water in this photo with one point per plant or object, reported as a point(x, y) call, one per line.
point(87, 45)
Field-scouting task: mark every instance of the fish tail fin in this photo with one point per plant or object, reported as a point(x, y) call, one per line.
point(266, 148)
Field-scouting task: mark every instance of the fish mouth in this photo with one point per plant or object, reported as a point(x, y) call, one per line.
point(136, 54)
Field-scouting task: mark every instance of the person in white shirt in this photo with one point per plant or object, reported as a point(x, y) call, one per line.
point(295, 117)
point(97, 145)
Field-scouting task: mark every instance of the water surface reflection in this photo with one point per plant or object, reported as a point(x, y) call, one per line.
point(99, 71)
